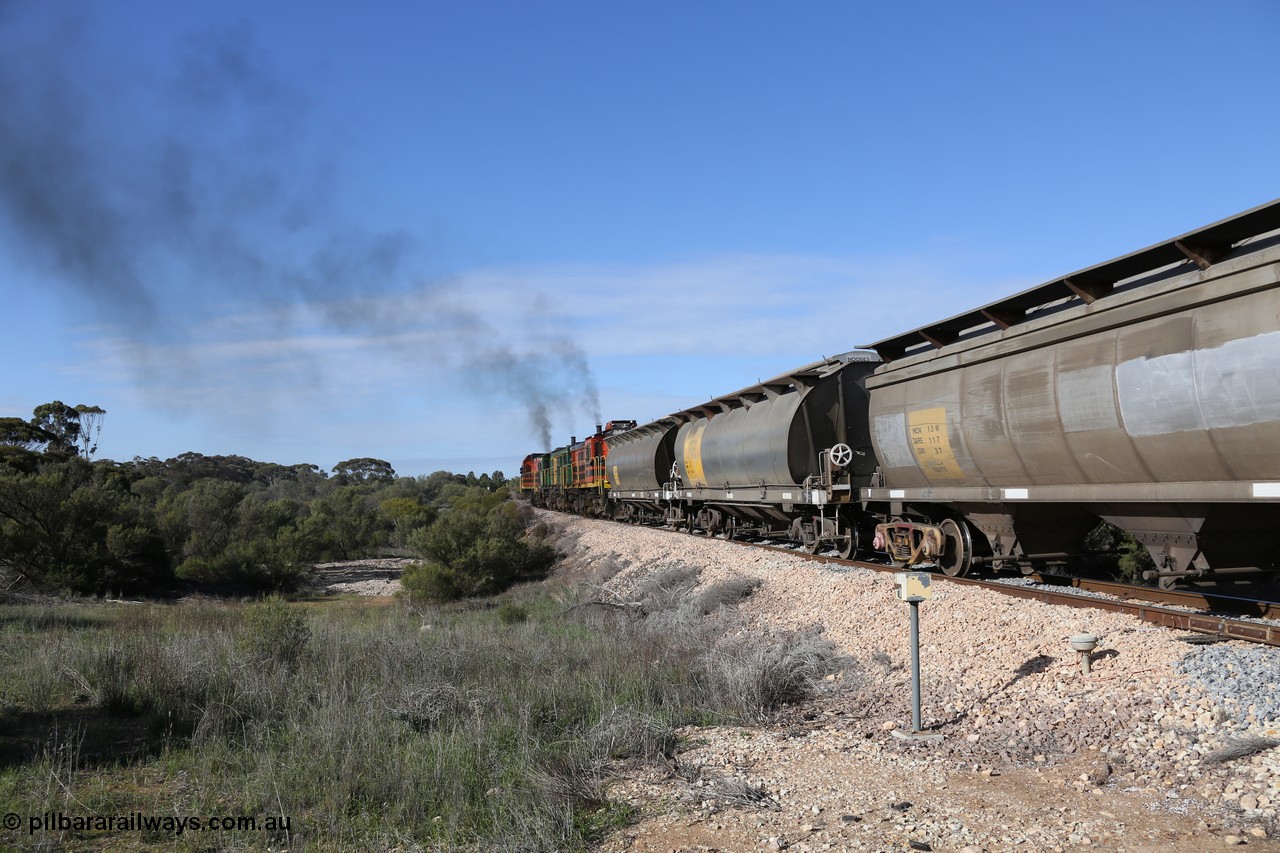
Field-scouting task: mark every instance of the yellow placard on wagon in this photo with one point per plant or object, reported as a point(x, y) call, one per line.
point(931, 444)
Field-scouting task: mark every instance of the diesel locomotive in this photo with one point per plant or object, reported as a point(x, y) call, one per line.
point(1144, 391)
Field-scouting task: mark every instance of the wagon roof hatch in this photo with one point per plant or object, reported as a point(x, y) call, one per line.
point(771, 388)
point(752, 394)
point(1202, 247)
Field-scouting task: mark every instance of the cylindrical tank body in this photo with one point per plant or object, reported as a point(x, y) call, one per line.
point(640, 460)
point(1173, 382)
point(776, 440)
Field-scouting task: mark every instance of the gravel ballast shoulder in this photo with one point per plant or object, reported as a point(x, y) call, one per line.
point(1034, 756)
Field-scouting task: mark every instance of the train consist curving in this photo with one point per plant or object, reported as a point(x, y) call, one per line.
point(1144, 391)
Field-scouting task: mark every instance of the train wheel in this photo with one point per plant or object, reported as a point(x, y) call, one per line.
point(806, 534)
point(958, 553)
point(849, 543)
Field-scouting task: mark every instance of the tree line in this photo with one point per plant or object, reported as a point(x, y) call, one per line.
point(72, 523)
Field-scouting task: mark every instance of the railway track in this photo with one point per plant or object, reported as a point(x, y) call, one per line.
point(1200, 600)
point(1218, 616)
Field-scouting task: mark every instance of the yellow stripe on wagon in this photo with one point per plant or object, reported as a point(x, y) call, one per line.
point(692, 454)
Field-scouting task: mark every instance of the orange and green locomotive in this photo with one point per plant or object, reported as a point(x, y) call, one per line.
point(572, 478)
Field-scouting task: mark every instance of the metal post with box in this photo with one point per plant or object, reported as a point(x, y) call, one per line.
point(913, 588)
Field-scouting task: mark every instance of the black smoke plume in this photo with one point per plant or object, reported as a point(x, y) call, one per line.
point(152, 198)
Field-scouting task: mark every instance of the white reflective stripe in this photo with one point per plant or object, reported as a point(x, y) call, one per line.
point(689, 494)
point(1266, 490)
point(729, 495)
point(786, 496)
point(897, 493)
point(1015, 494)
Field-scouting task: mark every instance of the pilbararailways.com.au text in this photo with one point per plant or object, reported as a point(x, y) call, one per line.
point(139, 822)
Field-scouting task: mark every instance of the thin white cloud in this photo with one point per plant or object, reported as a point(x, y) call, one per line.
point(424, 373)
point(723, 306)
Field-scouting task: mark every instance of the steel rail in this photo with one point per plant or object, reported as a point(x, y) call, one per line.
point(1142, 602)
point(1199, 599)
point(1223, 627)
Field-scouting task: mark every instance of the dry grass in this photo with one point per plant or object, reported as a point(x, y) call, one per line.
point(372, 727)
point(1241, 747)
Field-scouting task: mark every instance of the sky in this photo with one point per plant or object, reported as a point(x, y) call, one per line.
point(449, 234)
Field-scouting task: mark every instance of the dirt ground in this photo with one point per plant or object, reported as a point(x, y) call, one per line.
point(359, 577)
point(833, 784)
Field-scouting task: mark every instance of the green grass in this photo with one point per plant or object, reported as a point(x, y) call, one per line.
point(368, 726)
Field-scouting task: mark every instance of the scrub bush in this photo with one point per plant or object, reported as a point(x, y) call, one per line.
point(476, 548)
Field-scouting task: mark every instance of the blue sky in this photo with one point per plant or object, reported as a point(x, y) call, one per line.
point(416, 231)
